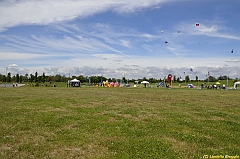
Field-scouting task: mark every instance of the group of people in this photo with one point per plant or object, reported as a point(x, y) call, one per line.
point(214, 86)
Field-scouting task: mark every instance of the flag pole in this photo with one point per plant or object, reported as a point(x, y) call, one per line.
point(227, 81)
point(208, 77)
point(184, 77)
point(198, 83)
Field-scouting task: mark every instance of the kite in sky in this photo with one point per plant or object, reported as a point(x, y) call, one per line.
point(232, 51)
point(197, 24)
point(167, 43)
point(178, 31)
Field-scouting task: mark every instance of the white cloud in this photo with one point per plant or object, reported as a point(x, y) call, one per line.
point(14, 56)
point(137, 67)
point(105, 48)
point(125, 43)
point(13, 65)
point(208, 29)
point(43, 12)
point(78, 40)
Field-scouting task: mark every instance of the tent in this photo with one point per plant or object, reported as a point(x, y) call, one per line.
point(75, 83)
point(190, 85)
point(161, 84)
point(145, 83)
point(235, 84)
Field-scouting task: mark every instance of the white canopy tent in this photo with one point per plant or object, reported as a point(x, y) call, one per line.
point(235, 85)
point(75, 83)
point(145, 83)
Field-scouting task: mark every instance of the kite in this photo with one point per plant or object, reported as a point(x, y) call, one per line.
point(191, 69)
point(232, 51)
point(197, 24)
point(169, 79)
point(167, 43)
point(162, 31)
point(178, 31)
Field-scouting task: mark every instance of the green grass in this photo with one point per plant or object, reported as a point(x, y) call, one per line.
point(92, 122)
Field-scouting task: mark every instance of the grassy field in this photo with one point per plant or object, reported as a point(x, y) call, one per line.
point(92, 122)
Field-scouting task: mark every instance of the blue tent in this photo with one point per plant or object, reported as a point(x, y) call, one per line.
point(190, 86)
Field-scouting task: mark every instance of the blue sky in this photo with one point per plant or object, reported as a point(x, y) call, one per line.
point(120, 38)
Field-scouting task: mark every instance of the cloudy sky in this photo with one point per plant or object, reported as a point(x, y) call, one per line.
point(120, 38)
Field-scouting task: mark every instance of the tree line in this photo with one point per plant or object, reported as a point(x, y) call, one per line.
point(93, 79)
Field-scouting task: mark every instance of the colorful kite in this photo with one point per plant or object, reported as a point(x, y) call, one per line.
point(197, 24)
point(232, 51)
point(169, 78)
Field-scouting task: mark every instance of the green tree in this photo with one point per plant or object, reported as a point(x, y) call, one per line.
point(25, 78)
point(31, 78)
point(13, 79)
point(124, 80)
point(196, 78)
point(17, 78)
point(50, 78)
point(187, 79)
point(36, 77)
point(9, 78)
point(222, 77)
point(93, 79)
point(58, 78)
point(211, 79)
point(152, 80)
point(178, 79)
point(174, 78)
point(99, 79)
point(1, 78)
point(82, 79)
point(113, 79)
point(43, 79)
point(21, 79)
point(144, 79)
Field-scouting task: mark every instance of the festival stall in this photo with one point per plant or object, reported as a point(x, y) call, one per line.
point(75, 83)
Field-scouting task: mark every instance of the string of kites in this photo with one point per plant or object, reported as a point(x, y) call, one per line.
point(197, 24)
